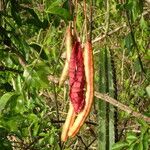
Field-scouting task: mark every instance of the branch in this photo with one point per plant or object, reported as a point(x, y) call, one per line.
point(121, 106)
point(62, 121)
point(108, 34)
point(112, 101)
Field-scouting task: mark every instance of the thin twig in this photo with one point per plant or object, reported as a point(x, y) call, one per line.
point(81, 140)
point(98, 39)
point(107, 17)
point(92, 142)
point(54, 89)
point(85, 17)
point(91, 18)
point(112, 101)
point(87, 122)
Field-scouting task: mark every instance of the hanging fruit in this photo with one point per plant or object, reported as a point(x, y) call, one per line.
point(79, 68)
point(68, 123)
point(89, 75)
point(77, 78)
point(68, 45)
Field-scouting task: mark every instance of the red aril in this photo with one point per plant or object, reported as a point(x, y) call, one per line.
point(77, 77)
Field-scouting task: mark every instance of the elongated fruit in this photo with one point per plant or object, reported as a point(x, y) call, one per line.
point(77, 78)
point(68, 123)
point(76, 83)
point(89, 75)
point(68, 44)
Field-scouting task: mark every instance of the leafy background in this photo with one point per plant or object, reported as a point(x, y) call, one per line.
point(33, 107)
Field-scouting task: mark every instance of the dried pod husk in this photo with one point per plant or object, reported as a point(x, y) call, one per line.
point(76, 83)
point(68, 123)
point(68, 45)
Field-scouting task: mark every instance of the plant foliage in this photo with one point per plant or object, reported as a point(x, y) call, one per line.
point(32, 108)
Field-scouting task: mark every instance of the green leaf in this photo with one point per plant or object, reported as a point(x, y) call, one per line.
point(11, 122)
point(38, 76)
point(11, 104)
point(145, 141)
point(138, 146)
point(143, 124)
point(148, 90)
point(36, 129)
point(53, 3)
point(34, 20)
point(5, 144)
point(15, 12)
point(17, 83)
point(59, 11)
point(4, 99)
point(51, 140)
point(137, 65)
point(119, 146)
point(33, 118)
point(131, 138)
point(39, 49)
point(143, 24)
point(20, 105)
point(14, 122)
point(131, 147)
point(128, 42)
point(3, 132)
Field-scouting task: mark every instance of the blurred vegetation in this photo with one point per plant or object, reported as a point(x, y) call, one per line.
point(32, 108)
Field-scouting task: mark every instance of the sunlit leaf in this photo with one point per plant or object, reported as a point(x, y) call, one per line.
point(59, 11)
point(131, 138)
point(4, 99)
point(148, 90)
point(120, 146)
point(145, 141)
point(143, 23)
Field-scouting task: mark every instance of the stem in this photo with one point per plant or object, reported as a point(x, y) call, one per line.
point(134, 41)
point(107, 16)
point(85, 17)
point(112, 101)
point(121, 106)
point(108, 34)
point(91, 19)
point(114, 78)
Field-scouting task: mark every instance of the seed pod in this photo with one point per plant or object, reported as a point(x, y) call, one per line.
point(89, 75)
point(68, 43)
point(76, 82)
point(77, 78)
point(68, 123)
